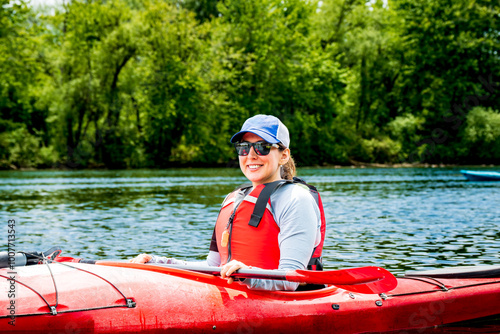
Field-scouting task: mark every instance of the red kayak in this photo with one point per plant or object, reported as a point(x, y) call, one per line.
point(128, 298)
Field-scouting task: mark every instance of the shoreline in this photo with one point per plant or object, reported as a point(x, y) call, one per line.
point(355, 164)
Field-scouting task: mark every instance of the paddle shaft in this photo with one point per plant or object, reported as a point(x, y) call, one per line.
point(241, 273)
point(374, 277)
point(363, 280)
point(301, 276)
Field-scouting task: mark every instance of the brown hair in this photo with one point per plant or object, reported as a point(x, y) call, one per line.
point(288, 169)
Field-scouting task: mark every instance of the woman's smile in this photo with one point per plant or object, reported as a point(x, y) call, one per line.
point(254, 167)
point(260, 169)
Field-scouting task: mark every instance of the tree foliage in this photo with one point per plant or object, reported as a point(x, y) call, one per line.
point(157, 83)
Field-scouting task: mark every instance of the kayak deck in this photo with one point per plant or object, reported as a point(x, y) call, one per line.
point(99, 299)
point(460, 272)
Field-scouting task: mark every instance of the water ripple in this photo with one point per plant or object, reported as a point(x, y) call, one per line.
point(402, 219)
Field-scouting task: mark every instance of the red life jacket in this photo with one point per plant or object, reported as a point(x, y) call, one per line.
point(253, 233)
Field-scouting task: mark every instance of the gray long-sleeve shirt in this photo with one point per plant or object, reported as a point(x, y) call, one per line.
point(299, 220)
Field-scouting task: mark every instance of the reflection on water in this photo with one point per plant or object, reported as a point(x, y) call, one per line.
point(401, 219)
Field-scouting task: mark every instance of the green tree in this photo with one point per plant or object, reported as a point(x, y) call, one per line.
point(364, 37)
point(172, 85)
point(20, 80)
point(93, 43)
point(452, 65)
point(154, 83)
point(481, 140)
point(268, 62)
point(204, 10)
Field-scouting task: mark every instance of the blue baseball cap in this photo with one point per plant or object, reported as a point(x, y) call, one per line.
point(267, 127)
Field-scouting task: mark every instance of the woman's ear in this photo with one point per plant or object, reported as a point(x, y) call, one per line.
point(285, 156)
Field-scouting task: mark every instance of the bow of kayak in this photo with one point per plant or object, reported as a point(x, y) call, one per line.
point(101, 299)
point(481, 175)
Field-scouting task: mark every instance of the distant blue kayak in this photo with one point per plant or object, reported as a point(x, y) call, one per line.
point(481, 176)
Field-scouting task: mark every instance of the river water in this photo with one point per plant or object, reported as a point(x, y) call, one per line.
point(401, 219)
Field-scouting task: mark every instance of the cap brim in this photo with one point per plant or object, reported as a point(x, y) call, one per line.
point(261, 134)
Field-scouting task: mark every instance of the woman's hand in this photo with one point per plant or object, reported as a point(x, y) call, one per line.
point(142, 258)
point(231, 267)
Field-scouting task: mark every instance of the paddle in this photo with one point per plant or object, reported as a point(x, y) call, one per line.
point(367, 280)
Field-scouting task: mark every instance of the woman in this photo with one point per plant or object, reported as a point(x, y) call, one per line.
point(286, 234)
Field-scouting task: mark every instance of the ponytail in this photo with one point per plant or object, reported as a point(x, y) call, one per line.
point(288, 169)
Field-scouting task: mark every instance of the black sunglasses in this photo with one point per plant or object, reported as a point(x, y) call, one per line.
point(260, 147)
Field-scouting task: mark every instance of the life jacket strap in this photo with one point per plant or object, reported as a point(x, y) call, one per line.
point(265, 194)
point(315, 263)
point(260, 205)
